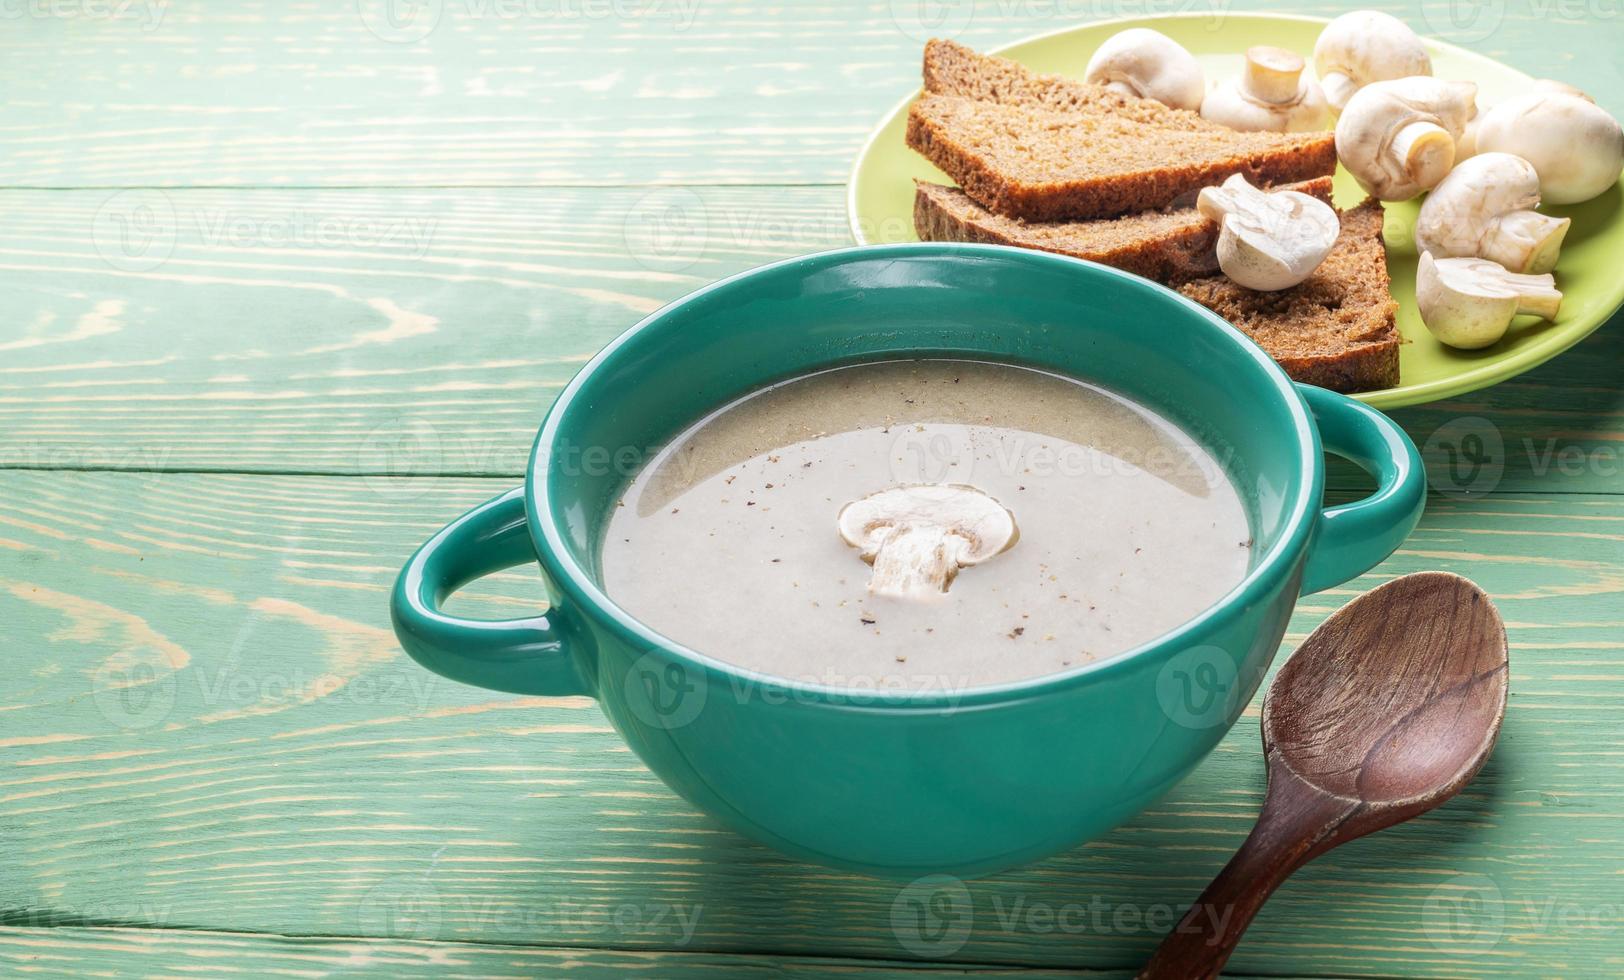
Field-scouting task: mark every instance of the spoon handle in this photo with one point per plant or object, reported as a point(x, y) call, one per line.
point(1295, 822)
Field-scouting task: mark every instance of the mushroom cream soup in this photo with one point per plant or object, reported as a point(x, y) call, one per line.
point(927, 524)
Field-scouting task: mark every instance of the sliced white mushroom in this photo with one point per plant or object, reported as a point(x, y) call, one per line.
point(1470, 303)
point(918, 536)
point(1271, 95)
point(1151, 65)
point(1268, 240)
point(1485, 209)
point(1366, 46)
point(1397, 138)
point(1575, 145)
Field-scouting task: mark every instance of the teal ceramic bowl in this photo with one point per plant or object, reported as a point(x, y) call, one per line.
point(893, 783)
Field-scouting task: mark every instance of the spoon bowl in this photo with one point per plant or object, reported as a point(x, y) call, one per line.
point(1407, 683)
point(1388, 709)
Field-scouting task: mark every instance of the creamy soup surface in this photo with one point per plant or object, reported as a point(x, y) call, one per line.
point(729, 542)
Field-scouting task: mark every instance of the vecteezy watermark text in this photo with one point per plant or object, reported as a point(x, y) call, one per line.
point(148, 14)
point(1469, 455)
point(410, 907)
point(139, 695)
point(931, 453)
point(137, 230)
point(409, 21)
point(934, 916)
point(922, 20)
point(670, 229)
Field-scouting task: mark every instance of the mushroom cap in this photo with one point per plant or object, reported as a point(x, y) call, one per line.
point(983, 525)
point(1553, 85)
point(1576, 147)
point(1151, 65)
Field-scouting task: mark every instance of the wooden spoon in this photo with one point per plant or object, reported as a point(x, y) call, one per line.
point(1385, 711)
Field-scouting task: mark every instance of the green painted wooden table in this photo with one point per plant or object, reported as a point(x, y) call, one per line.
point(285, 286)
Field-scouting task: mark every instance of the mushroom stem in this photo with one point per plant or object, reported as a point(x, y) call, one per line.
point(1426, 151)
point(1536, 295)
point(1466, 146)
point(1272, 74)
point(915, 561)
point(1526, 240)
point(1339, 88)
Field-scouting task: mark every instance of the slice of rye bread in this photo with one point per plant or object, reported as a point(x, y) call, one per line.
point(1170, 246)
point(1046, 148)
point(1334, 329)
point(955, 70)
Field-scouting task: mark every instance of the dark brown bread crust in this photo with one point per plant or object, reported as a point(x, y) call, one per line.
point(1336, 328)
point(999, 130)
point(1367, 366)
point(1168, 246)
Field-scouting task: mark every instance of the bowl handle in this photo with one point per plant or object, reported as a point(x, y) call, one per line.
point(1356, 537)
point(521, 656)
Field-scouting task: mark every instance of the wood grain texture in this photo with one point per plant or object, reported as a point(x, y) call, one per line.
point(79, 952)
point(219, 732)
point(425, 332)
point(387, 332)
point(205, 723)
point(549, 92)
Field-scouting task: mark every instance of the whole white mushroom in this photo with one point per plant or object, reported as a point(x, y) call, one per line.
point(1150, 65)
point(1397, 137)
point(1270, 95)
point(1576, 147)
point(1366, 46)
point(1467, 145)
point(1485, 209)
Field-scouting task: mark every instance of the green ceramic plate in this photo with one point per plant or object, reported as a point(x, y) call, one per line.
point(880, 204)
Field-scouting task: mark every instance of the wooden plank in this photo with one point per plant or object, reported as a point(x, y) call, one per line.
point(81, 952)
point(283, 768)
point(322, 330)
point(548, 92)
point(77, 951)
point(400, 333)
